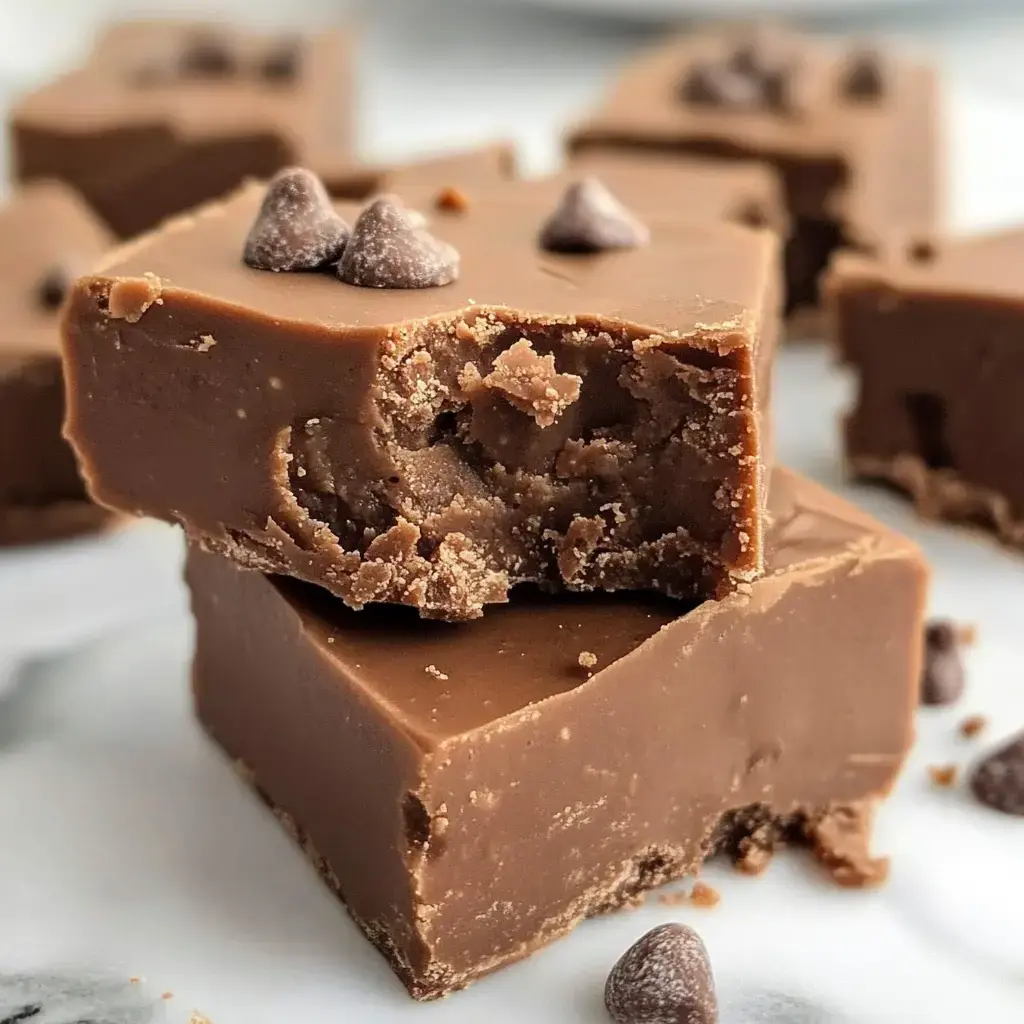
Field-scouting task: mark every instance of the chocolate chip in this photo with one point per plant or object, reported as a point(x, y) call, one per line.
point(998, 779)
point(296, 228)
point(589, 218)
point(942, 675)
point(718, 86)
point(664, 978)
point(53, 287)
point(863, 77)
point(207, 55)
point(390, 248)
point(281, 63)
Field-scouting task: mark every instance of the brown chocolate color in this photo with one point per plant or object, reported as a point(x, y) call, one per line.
point(165, 115)
point(933, 332)
point(581, 421)
point(851, 167)
point(47, 235)
point(471, 793)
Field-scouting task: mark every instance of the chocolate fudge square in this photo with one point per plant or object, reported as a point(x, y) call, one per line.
point(934, 332)
point(473, 792)
point(851, 132)
point(47, 237)
point(579, 420)
point(165, 115)
point(483, 166)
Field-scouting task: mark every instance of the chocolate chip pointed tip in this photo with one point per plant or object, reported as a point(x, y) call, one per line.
point(296, 228)
point(589, 219)
point(663, 978)
point(207, 54)
point(391, 247)
point(997, 780)
point(864, 75)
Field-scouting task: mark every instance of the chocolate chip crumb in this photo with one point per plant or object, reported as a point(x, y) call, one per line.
point(704, 895)
point(52, 287)
point(296, 228)
point(998, 779)
point(587, 659)
point(281, 62)
point(390, 249)
point(972, 725)
point(942, 677)
point(207, 55)
point(663, 978)
point(590, 219)
point(944, 775)
point(452, 200)
point(863, 77)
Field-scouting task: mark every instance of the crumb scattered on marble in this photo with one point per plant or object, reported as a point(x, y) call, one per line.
point(167, 995)
point(972, 725)
point(675, 898)
point(587, 659)
point(197, 1018)
point(704, 895)
point(944, 775)
point(434, 671)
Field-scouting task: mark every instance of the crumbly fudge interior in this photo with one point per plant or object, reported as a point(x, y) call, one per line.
point(503, 452)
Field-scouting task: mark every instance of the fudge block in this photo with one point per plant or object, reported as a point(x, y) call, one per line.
point(581, 420)
point(165, 115)
point(934, 332)
point(47, 237)
point(474, 791)
point(483, 166)
point(851, 132)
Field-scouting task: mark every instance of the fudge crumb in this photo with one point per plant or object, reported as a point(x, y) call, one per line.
point(205, 343)
point(944, 775)
point(967, 634)
point(167, 995)
point(452, 199)
point(587, 659)
point(664, 976)
point(840, 841)
point(972, 725)
point(130, 297)
point(529, 382)
point(704, 895)
point(134, 980)
point(197, 1018)
point(433, 670)
point(676, 898)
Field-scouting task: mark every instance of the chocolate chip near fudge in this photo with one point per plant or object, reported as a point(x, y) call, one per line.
point(997, 780)
point(589, 219)
point(942, 672)
point(165, 115)
point(665, 976)
point(946, 427)
point(47, 236)
point(854, 144)
point(505, 793)
point(582, 421)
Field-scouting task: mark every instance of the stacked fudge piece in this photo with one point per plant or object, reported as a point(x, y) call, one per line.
point(851, 133)
point(500, 604)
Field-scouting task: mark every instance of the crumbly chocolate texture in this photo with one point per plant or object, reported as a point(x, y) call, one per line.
point(165, 115)
point(577, 421)
point(509, 795)
point(932, 333)
point(46, 235)
point(853, 142)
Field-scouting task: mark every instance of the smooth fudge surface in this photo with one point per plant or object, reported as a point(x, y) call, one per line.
point(934, 331)
point(474, 791)
point(851, 166)
point(47, 237)
point(380, 442)
point(165, 115)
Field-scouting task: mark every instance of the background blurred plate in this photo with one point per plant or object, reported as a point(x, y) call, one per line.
point(676, 8)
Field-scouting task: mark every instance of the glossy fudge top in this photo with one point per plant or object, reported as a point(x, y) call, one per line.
point(444, 680)
point(48, 237)
point(204, 80)
point(709, 284)
point(984, 266)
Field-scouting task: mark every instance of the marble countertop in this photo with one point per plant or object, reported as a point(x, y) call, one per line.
point(129, 850)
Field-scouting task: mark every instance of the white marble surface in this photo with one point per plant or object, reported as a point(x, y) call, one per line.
point(128, 849)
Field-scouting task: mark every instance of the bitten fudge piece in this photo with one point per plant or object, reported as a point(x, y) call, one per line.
point(473, 792)
point(47, 237)
point(851, 132)
point(581, 420)
point(165, 115)
point(935, 335)
point(487, 165)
